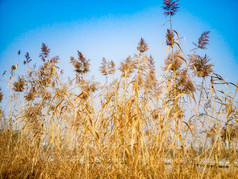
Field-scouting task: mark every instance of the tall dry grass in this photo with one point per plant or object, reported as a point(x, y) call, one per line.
point(180, 125)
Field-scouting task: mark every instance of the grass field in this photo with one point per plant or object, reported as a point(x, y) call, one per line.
point(182, 124)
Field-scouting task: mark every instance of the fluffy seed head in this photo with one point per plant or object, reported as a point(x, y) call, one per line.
point(170, 7)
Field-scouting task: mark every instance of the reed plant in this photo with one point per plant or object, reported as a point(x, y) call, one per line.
point(183, 124)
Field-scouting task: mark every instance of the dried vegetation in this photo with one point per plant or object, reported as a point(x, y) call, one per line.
point(181, 125)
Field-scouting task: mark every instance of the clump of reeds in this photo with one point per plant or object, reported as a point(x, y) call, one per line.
point(136, 125)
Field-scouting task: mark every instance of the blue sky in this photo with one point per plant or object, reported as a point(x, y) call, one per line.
point(112, 29)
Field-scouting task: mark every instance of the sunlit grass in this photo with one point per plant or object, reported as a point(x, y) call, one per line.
point(136, 125)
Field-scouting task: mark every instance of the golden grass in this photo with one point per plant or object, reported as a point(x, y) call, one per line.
point(182, 125)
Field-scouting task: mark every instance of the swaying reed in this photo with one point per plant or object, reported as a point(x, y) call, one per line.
point(136, 125)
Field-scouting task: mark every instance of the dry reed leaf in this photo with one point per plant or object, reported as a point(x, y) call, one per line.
point(167, 50)
point(181, 94)
point(168, 68)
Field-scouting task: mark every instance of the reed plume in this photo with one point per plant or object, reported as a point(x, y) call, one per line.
point(170, 7)
point(200, 65)
point(1, 95)
point(45, 51)
point(28, 58)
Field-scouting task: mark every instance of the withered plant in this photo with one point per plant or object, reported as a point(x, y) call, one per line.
point(136, 124)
